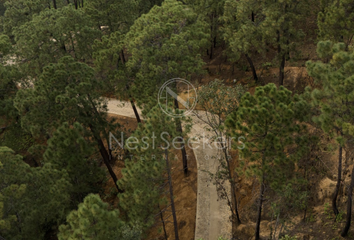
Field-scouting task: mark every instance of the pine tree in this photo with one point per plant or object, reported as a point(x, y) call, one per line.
point(66, 92)
point(144, 175)
point(211, 11)
point(52, 34)
point(335, 101)
point(164, 44)
point(68, 149)
point(18, 12)
point(94, 220)
point(336, 21)
point(33, 199)
point(269, 121)
point(9, 76)
point(242, 30)
point(251, 24)
point(280, 27)
point(118, 16)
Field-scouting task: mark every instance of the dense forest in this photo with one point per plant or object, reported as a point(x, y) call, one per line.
point(273, 85)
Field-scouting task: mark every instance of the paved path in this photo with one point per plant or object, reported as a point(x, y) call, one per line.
point(212, 218)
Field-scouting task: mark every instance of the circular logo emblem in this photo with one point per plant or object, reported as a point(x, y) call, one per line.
point(168, 93)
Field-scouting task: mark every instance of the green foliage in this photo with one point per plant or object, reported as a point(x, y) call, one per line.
point(143, 174)
point(336, 21)
point(15, 138)
point(9, 76)
point(251, 26)
point(68, 149)
point(94, 220)
point(118, 16)
point(164, 44)
point(18, 12)
point(65, 92)
point(241, 32)
point(33, 200)
point(270, 120)
point(52, 34)
point(335, 98)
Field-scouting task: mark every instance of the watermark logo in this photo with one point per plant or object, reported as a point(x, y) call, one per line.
point(168, 92)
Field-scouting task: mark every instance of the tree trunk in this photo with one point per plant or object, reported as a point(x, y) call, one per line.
point(105, 157)
point(255, 77)
point(282, 63)
point(130, 96)
point(163, 222)
point(233, 186)
point(55, 4)
point(133, 105)
point(183, 148)
point(339, 178)
point(281, 71)
point(175, 224)
point(258, 223)
point(135, 110)
point(349, 206)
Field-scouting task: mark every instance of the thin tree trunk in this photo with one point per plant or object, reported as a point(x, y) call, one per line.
point(135, 110)
point(258, 223)
point(233, 185)
point(105, 157)
point(175, 224)
point(255, 77)
point(339, 178)
point(183, 148)
point(55, 4)
point(349, 206)
point(130, 96)
point(282, 64)
point(163, 222)
point(281, 71)
point(123, 57)
point(133, 105)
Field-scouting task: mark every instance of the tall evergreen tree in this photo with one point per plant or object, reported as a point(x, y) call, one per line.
point(18, 12)
point(66, 92)
point(211, 11)
point(269, 120)
point(335, 102)
point(251, 24)
point(144, 176)
point(9, 77)
point(68, 149)
point(281, 27)
point(164, 44)
point(242, 30)
point(94, 220)
point(336, 21)
point(52, 34)
point(34, 200)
